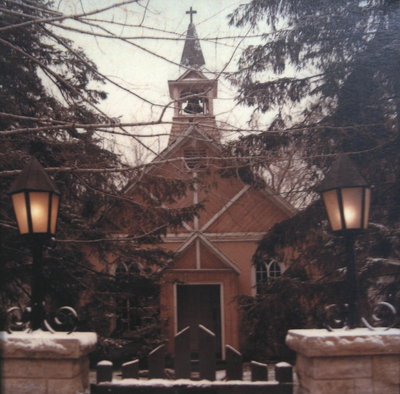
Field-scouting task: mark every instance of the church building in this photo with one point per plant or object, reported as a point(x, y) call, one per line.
point(213, 253)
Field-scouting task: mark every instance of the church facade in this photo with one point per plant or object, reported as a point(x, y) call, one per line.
point(213, 253)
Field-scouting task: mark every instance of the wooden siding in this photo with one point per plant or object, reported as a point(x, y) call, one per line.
point(186, 259)
point(251, 213)
point(209, 260)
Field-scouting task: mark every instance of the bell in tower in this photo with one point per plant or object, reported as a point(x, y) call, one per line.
point(193, 93)
point(193, 106)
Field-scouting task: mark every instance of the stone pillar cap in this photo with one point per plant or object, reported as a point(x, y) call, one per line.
point(344, 342)
point(44, 344)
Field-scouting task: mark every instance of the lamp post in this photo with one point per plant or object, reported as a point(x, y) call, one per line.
point(35, 201)
point(346, 196)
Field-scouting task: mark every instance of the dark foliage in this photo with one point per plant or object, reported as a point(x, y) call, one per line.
point(337, 63)
point(46, 82)
point(266, 321)
point(349, 97)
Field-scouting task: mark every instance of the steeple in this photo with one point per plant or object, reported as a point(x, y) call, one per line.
point(192, 55)
point(193, 93)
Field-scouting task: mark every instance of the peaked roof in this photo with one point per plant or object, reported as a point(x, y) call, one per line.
point(211, 247)
point(343, 173)
point(192, 74)
point(34, 178)
point(183, 137)
point(192, 55)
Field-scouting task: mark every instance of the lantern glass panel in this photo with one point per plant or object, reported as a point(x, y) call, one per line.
point(39, 204)
point(332, 207)
point(352, 199)
point(21, 214)
point(367, 206)
point(55, 201)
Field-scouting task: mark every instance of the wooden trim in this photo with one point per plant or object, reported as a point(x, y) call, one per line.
point(213, 248)
point(222, 317)
point(237, 237)
point(219, 254)
point(175, 309)
point(288, 208)
point(195, 200)
point(187, 243)
point(198, 254)
point(225, 207)
point(217, 237)
point(187, 227)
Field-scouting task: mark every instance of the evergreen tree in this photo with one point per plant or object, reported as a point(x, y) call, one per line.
point(47, 87)
point(336, 64)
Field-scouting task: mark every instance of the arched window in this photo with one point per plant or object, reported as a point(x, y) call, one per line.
point(193, 102)
point(126, 318)
point(274, 270)
point(261, 277)
point(266, 271)
point(121, 270)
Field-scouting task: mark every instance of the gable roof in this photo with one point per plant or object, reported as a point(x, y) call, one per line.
point(181, 139)
point(192, 130)
point(192, 74)
point(210, 247)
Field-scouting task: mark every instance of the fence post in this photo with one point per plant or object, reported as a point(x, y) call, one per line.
point(284, 372)
point(259, 371)
point(104, 371)
point(234, 368)
point(182, 354)
point(156, 360)
point(284, 375)
point(207, 356)
point(130, 369)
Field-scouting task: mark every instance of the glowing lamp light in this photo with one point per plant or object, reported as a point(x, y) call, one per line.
point(346, 196)
point(35, 201)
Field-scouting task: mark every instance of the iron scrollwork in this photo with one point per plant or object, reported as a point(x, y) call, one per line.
point(65, 318)
point(384, 315)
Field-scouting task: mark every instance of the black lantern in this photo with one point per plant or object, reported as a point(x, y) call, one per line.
point(346, 196)
point(35, 201)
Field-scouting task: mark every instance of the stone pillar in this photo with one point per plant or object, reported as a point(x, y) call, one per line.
point(45, 363)
point(347, 361)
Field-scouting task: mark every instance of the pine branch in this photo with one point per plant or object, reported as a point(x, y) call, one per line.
point(63, 17)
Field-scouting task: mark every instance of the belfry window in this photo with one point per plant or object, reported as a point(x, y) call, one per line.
point(266, 271)
point(195, 158)
point(193, 103)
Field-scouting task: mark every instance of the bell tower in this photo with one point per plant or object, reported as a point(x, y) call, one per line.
point(193, 93)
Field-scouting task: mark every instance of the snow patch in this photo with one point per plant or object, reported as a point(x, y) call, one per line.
point(185, 382)
point(40, 340)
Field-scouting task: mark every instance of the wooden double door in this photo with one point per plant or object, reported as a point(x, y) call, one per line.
point(200, 304)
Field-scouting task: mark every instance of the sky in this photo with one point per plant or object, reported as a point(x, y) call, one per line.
point(147, 74)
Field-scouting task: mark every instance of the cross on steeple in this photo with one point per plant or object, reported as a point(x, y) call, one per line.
point(191, 12)
point(192, 55)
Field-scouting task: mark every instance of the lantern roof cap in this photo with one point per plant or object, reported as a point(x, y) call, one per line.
point(343, 173)
point(33, 178)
